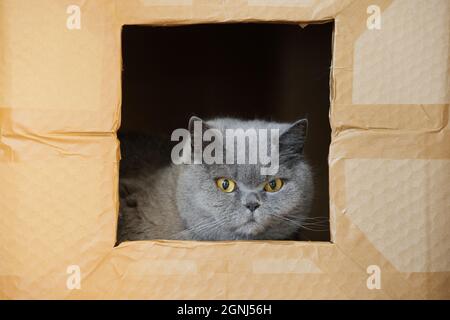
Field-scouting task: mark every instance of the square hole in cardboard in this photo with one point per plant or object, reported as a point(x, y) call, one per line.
point(276, 72)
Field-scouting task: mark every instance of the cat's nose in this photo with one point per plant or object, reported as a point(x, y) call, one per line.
point(252, 206)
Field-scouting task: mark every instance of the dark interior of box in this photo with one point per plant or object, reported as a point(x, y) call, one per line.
point(277, 72)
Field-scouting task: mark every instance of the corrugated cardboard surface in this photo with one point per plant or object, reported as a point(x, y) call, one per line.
point(389, 158)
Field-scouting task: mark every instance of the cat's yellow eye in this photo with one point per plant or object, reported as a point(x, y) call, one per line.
point(226, 185)
point(273, 185)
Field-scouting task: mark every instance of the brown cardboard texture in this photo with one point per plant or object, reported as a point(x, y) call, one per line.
point(389, 158)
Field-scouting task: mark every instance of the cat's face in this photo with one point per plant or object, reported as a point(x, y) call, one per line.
point(234, 201)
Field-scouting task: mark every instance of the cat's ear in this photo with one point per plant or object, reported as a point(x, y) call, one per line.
point(193, 121)
point(292, 140)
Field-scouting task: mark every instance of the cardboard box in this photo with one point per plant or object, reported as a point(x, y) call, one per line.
point(389, 158)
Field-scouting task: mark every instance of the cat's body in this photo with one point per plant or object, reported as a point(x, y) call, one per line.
point(147, 187)
point(161, 200)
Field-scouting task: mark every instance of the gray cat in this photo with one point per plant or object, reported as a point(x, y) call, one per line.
point(161, 200)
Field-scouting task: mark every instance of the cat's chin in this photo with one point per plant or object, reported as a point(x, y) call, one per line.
point(250, 228)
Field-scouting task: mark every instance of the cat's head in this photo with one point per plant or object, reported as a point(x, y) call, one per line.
point(235, 201)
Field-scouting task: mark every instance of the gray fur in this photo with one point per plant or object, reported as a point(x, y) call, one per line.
point(159, 200)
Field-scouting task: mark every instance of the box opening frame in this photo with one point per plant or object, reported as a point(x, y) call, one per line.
point(301, 243)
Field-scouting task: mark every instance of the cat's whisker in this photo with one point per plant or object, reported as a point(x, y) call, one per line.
point(195, 228)
point(316, 218)
point(202, 226)
point(208, 228)
point(284, 218)
point(312, 219)
point(300, 225)
point(314, 222)
point(188, 229)
point(315, 230)
point(322, 224)
point(218, 224)
point(213, 227)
